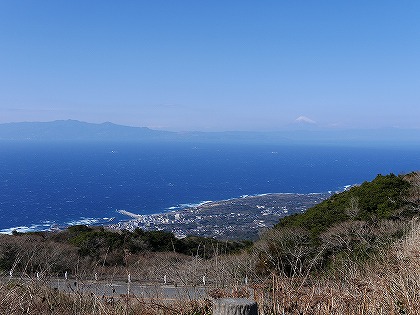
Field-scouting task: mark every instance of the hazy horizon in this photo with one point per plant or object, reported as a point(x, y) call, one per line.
point(216, 66)
point(296, 125)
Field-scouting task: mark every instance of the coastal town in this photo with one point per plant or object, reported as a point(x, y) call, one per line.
point(239, 218)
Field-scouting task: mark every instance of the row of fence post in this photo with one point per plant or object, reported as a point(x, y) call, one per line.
point(165, 278)
point(227, 306)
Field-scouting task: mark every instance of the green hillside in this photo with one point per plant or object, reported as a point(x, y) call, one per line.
point(355, 223)
point(382, 198)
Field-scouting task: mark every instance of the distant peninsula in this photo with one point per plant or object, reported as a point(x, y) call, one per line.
point(74, 130)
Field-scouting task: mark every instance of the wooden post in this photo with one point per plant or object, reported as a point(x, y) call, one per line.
point(234, 306)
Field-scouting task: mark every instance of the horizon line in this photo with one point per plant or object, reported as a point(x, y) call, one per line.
point(295, 126)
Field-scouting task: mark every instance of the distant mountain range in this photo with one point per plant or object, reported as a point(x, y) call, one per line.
point(73, 130)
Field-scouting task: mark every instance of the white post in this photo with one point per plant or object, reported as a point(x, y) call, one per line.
point(164, 279)
point(246, 280)
point(11, 273)
point(204, 280)
point(128, 285)
point(66, 276)
point(96, 276)
point(37, 275)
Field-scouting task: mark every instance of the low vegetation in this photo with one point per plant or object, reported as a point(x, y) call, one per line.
point(388, 283)
point(356, 253)
point(354, 224)
point(57, 252)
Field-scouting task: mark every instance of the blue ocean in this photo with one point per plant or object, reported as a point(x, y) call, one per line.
point(45, 184)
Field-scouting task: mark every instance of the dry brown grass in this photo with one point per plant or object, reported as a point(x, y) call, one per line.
point(30, 298)
point(389, 284)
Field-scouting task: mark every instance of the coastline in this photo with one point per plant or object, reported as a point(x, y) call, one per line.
point(235, 218)
point(241, 217)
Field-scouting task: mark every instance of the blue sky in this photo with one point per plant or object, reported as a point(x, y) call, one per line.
point(212, 65)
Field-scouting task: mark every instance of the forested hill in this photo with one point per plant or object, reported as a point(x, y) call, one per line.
point(386, 197)
point(355, 224)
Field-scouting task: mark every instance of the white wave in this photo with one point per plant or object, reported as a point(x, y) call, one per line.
point(47, 225)
point(193, 205)
point(273, 193)
point(17, 229)
point(25, 229)
point(83, 221)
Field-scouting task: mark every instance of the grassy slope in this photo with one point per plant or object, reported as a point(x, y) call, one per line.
point(366, 255)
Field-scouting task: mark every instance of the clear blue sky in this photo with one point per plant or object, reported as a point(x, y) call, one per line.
point(211, 65)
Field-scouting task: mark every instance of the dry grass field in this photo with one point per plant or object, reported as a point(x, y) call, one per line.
point(388, 284)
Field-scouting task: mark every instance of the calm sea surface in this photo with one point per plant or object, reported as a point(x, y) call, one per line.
point(69, 183)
